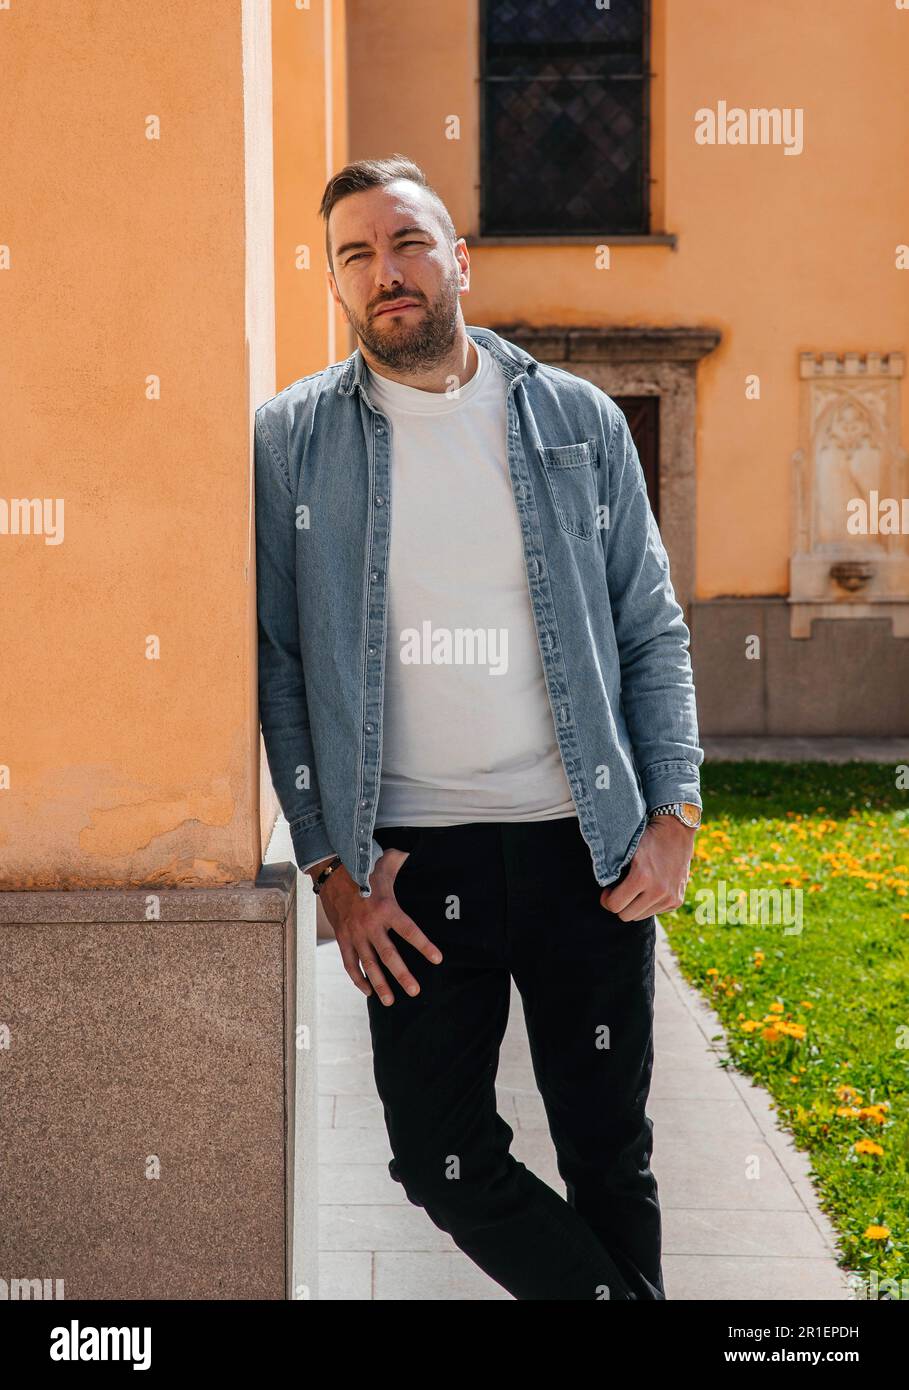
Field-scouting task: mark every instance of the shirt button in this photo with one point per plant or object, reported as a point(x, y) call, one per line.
point(374, 576)
point(372, 651)
point(380, 429)
point(364, 803)
point(379, 501)
point(368, 728)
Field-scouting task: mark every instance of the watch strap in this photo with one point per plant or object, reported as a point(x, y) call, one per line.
point(677, 809)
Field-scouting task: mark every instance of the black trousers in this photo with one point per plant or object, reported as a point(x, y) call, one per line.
point(519, 899)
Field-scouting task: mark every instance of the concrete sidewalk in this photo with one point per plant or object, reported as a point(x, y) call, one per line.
point(726, 1236)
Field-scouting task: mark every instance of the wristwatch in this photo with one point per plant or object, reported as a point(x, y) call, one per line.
point(685, 811)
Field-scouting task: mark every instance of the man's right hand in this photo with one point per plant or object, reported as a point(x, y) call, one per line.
point(362, 925)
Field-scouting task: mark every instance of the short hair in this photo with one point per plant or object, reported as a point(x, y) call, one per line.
point(376, 173)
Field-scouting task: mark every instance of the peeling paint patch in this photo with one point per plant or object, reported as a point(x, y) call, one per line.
point(128, 829)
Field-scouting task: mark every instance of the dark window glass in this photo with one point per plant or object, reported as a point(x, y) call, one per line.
point(565, 117)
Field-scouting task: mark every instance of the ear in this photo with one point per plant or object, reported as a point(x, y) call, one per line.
point(462, 256)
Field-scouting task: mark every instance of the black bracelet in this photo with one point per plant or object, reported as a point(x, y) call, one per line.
point(326, 873)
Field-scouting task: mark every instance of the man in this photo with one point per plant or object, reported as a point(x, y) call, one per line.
point(478, 711)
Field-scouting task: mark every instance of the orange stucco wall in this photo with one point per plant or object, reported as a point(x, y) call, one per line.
point(309, 104)
point(784, 254)
point(129, 259)
point(310, 122)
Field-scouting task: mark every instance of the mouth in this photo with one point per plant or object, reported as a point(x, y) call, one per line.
point(397, 307)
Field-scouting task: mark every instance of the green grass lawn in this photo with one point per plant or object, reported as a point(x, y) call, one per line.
point(816, 1003)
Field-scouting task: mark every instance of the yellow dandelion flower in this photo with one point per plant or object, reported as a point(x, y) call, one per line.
point(877, 1233)
point(867, 1146)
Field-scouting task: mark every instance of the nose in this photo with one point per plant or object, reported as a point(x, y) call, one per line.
point(388, 274)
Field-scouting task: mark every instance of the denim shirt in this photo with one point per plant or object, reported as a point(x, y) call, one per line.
point(612, 639)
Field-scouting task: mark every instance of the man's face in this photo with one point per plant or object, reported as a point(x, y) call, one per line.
point(396, 275)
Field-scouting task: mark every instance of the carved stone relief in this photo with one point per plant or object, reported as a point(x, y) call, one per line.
point(850, 502)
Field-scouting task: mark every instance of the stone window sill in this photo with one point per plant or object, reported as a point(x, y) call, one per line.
point(588, 239)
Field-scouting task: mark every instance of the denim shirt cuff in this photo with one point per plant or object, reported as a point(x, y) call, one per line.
point(310, 839)
point(664, 783)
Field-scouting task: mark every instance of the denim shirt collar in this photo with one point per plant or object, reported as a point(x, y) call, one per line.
point(514, 361)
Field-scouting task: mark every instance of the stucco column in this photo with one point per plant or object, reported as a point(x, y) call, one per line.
point(146, 1023)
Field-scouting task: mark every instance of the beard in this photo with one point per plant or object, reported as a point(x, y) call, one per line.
point(404, 346)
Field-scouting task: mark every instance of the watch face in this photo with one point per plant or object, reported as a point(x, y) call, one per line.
point(691, 812)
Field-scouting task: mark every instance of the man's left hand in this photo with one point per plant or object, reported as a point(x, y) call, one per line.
point(658, 874)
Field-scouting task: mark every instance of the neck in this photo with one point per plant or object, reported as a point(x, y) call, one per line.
point(460, 361)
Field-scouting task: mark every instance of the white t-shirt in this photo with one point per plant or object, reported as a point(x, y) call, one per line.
point(469, 735)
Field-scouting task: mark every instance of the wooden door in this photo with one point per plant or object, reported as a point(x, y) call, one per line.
point(643, 416)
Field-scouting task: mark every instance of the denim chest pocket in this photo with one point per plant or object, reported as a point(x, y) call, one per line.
point(569, 470)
